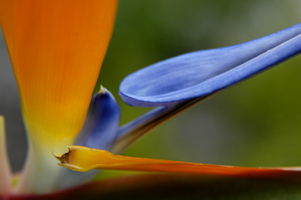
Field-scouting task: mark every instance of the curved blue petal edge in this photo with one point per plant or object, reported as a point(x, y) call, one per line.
point(203, 73)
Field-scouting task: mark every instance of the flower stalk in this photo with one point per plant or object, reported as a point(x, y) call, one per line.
point(5, 170)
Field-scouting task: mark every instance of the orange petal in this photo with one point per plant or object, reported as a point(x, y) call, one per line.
point(56, 49)
point(84, 159)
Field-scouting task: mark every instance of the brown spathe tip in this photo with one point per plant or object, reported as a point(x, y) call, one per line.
point(63, 158)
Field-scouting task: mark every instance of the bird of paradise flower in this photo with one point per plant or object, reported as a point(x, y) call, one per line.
point(56, 65)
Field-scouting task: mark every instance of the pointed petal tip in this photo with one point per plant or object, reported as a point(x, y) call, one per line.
point(102, 90)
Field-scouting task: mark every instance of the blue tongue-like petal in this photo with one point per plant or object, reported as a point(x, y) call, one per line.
point(99, 132)
point(202, 73)
point(101, 125)
point(176, 84)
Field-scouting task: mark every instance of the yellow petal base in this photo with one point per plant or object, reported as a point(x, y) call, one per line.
point(84, 159)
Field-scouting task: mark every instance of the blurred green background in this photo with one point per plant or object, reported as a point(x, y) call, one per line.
point(255, 123)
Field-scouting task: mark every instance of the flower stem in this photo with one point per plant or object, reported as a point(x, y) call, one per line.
point(5, 169)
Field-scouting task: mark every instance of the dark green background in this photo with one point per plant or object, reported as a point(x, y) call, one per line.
point(255, 123)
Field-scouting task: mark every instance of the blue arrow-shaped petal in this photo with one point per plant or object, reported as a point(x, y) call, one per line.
point(201, 73)
point(178, 83)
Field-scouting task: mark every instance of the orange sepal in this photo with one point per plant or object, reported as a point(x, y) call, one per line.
point(56, 49)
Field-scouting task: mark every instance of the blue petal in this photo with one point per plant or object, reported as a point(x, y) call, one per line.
point(176, 84)
point(101, 125)
point(99, 131)
point(202, 73)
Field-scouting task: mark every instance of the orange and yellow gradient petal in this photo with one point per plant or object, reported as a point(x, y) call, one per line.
point(56, 49)
point(83, 159)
